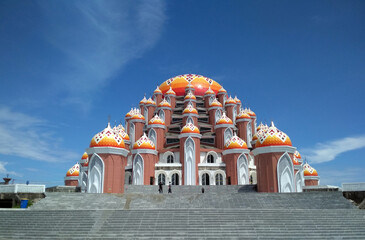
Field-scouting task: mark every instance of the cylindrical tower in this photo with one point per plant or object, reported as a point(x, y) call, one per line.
point(190, 98)
point(209, 96)
point(73, 176)
point(223, 131)
point(215, 111)
point(156, 132)
point(190, 113)
point(157, 95)
point(165, 112)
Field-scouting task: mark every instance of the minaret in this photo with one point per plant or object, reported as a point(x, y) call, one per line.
point(190, 99)
point(136, 122)
point(242, 120)
point(230, 108)
point(209, 94)
point(214, 116)
point(73, 176)
point(107, 161)
point(238, 104)
point(165, 112)
point(156, 129)
point(190, 113)
point(170, 97)
point(274, 165)
point(127, 117)
point(253, 120)
point(311, 177)
point(157, 95)
point(190, 153)
point(144, 160)
point(223, 131)
point(189, 88)
point(150, 106)
point(222, 95)
point(142, 104)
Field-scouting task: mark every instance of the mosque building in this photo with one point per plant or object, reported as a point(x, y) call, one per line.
point(191, 132)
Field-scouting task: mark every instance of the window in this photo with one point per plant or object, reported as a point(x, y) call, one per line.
point(211, 99)
point(167, 98)
point(162, 115)
point(146, 114)
point(162, 178)
point(190, 120)
point(170, 158)
point(234, 115)
point(218, 179)
point(175, 179)
point(152, 136)
point(205, 179)
point(210, 158)
point(227, 135)
point(131, 133)
point(218, 115)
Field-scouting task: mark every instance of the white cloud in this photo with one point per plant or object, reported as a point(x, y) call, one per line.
point(328, 151)
point(4, 171)
point(98, 39)
point(29, 137)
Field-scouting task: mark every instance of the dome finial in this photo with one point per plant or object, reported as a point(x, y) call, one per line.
point(272, 124)
point(109, 121)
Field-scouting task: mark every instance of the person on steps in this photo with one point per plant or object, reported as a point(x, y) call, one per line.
point(169, 191)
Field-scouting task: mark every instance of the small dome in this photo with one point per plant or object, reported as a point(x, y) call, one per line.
point(235, 143)
point(237, 100)
point(164, 103)
point(260, 126)
point(121, 132)
point(189, 86)
point(295, 161)
point(157, 90)
point(190, 128)
point(209, 91)
point(130, 113)
point(137, 115)
point(309, 171)
point(74, 171)
point(230, 100)
point(144, 143)
point(260, 132)
point(297, 155)
point(190, 95)
point(222, 90)
point(170, 92)
point(156, 120)
point(273, 137)
point(107, 138)
point(150, 102)
point(251, 113)
point(84, 160)
point(215, 103)
point(243, 115)
point(190, 109)
point(143, 101)
point(224, 120)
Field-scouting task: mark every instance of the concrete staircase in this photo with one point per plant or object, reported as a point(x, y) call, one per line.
point(233, 212)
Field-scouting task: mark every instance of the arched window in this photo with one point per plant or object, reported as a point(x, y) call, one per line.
point(210, 158)
point(242, 170)
point(285, 171)
point(162, 115)
point(218, 115)
point(234, 115)
point(190, 120)
point(211, 99)
point(175, 179)
point(138, 170)
point(298, 181)
point(218, 179)
point(152, 136)
point(162, 178)
point(154, 98)
point(170, 158)
point(95, 179)
point(167, 98)
point(189, 168)
point(227, 135)
point(249, 133)
point(131, 133)
point(145, 114)
point(205, 179)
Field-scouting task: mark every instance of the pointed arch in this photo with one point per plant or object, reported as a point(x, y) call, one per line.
point(218, 114)
point(138, 167)
point(145, 114)
point(84, 181)
point(167, 98)
point(228, 134)
point(242, 170)
point(132, 133)
point(153, 136)
point(189, 158)
point(161, 114)
point(211, 99)
point(95, 182)
point(298, 182)
point(190, 120)
point(285, 174)
point(249, 133)
point(234, 115)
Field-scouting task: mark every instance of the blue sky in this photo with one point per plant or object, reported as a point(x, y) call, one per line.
point(66, 65)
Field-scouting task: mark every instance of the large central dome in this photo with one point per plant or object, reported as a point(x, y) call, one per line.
point(200, 83)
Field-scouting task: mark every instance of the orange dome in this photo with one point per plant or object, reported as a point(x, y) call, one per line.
point(144, 143)
point(222, 90)
point(297, 155)
point(150, 102)
point(309, 171)
point(243, 115)
point(74, 171)
point(215, 103)
point(107, 138)
point(170, 92)
point(121, 132)
point(209, 92)
point(84, 160)
point(130, 113)
point(157, 90)
point(237, 100)
point(190, 128)
point(273, 137)
point(189, 86)
point(260, 126)
point(156, 120)
point(234, 143)
point(200, 83)
point(137, 116)
point(251, 113)
point(190, 109)
point(143, 101)
point(190, 95)
point(295, 161)
point(164, 103)
point(230, 100)
point(224, 120)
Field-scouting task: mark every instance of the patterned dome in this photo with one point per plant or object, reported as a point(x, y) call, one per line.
point(251, 113)
point(74, 171)
point(215, 103)
point(209, 91)
point(190, 109)
point(190, 128)
point(200, 83)
point(156, 120)
point(222, 90)
point(137, 115)
point(297, 155)
point(237, 100)
point(150, 102)
point(224, 120)
point(230, 100)
point(144, 143)
point(260, 126)
point(190, 95)
point(157, 90)
point(272, 137)
point(243, 115)
point(309, 171)
point(164, 103)
point(235, 143)
point(107, 138)
point(121, 132)
point(143, 101)
point(84, 160)
point(170, 92)
point(130, 113)
point(295, 161)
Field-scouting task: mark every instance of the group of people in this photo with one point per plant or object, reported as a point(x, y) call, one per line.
point(160, 189)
